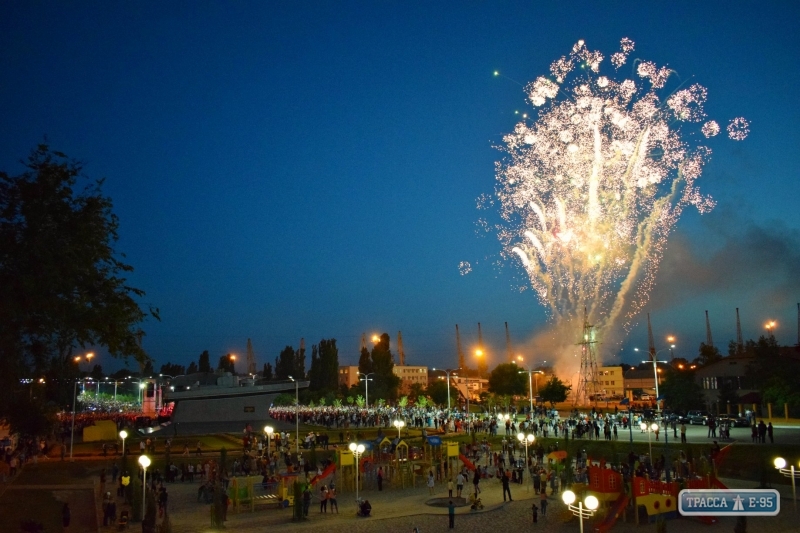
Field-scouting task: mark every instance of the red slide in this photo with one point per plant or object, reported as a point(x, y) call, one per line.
point(613, 514)
point(325, 473)
point(467, 463)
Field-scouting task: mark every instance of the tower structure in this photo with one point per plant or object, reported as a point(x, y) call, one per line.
point(508, 346)
point(461, 362)
point(709, 340)
point(587, 382)
point(739, 341)
point(651, 343)
point(401, 354)
point(251, 359)
point(363, 343)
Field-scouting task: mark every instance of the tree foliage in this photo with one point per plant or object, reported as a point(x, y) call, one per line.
point(707, 354)
point(437, 390)
point(267, 372)
point(63, 283)
point(680, 391)
point(506, 379)
point(290, 362)
point(385, 383)
point(227, 363)
point(204, 362)
point(324, 372)
point(554, 391)
point(169, 369)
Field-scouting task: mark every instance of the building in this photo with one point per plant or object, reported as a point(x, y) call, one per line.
point(348, 376)
point(611, 381)
point(409, 375)
point(470, 386)
point(642, 379)
point(730, 372)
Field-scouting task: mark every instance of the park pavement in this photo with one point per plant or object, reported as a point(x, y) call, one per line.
point(402, 510)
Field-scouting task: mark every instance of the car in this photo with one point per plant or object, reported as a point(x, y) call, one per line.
point(733, 420)
point(697, 417)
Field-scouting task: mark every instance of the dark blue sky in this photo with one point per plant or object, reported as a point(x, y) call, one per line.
point(285, 169)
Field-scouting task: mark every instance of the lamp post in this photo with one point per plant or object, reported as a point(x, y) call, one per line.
point(145, 462)
point(268, 430)
point(366, 381)
point(399, 424)
point(584, 509)
point(123, 435)
point(647, 429)
point(530, 384)
point(655, 362)
point(780, 465)
point(770, 329)
point(527, 439)
point(447, 372)
point(357, 450)
point(296, 415)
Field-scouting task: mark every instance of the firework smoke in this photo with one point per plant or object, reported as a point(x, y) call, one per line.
point(592, 187)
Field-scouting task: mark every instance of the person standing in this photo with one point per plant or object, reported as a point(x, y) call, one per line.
point(769, 433)
point(543, 501)
point(306, 500)
point(332, 498)
point(380, 478)
point(683, 432)
point(506, 487)
point(323, 500)
point(459, 484)
point(451, 513)
point(431, 482)
point(450, 488)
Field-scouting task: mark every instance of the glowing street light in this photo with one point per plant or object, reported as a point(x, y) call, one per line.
point(399, 424)
point(268, 430)
point(145, 462)
point(123, 435)
point(780, 465)
point(376, 339)
point(648, 429)
point(527, 439)
point(357, 450)
point(590, 503)
point(771, 328)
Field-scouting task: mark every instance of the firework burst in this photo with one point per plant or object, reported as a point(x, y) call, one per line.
point(592, 186)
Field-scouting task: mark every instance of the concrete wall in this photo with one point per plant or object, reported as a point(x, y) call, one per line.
point(232, 409)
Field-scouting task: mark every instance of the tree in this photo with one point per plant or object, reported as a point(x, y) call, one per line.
point(324, 372)
point(284, 363)
point(707, 354)
point(170, 369)
point(64, 286)
point(554, 391)
point(192, 368)
point(386, 383)
point(680, 391)
point(267, 373)
point(416, 389)
point(204, 363)
point(506, 379)
point(437, 390)
point(364, 362)
point(97, 372)
point(227, 363)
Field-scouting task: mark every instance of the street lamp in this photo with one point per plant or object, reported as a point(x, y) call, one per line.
point(357, 450)
point(590, 503)
point(780, 464)
point(530, 384)
point(770, 329)
point(527, 439)
point(366, 381)
point(72, 432)
point(123, 435)
point(655, 362)
point(447, 372)
point(296, 415)
point(145, 462)
point(647, 429)
point(268, 430)
point(399, 424)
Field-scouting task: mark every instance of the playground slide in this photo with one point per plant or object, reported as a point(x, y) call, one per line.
point(331, 468)
point(467, 463)
point(613, 514)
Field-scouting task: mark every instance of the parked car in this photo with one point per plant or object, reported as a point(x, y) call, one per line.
point(697, 417)
point(735, 421)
